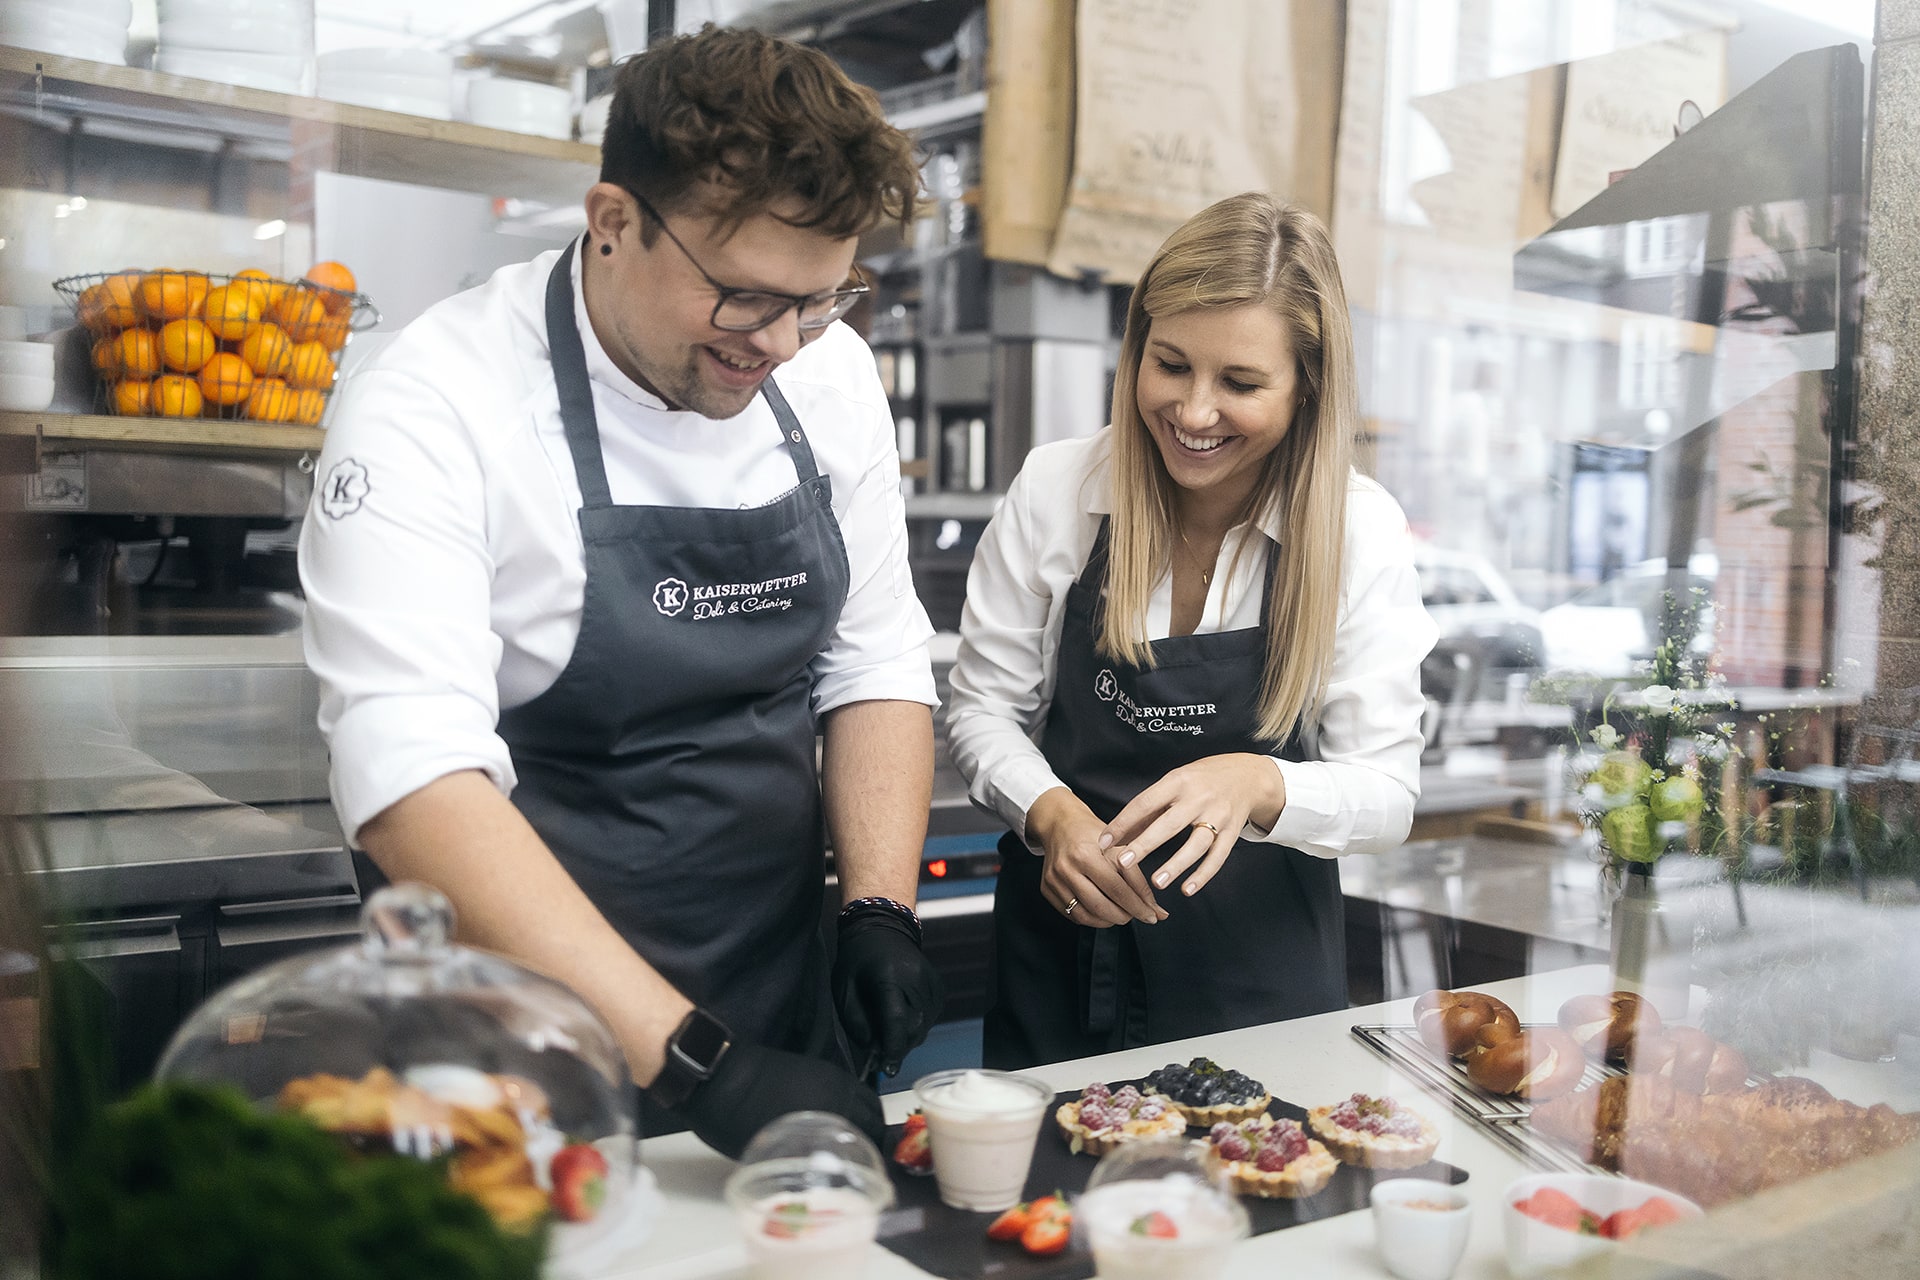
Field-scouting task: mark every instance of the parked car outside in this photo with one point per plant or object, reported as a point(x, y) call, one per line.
point(1609, 627)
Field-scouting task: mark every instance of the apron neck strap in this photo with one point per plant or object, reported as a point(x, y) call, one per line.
point(790, 432)
point(570, 380)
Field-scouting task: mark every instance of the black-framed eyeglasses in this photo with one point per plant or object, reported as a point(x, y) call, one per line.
point(749, 310)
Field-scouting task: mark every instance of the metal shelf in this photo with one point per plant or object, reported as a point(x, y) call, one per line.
point(325, 135)
point(217, 436)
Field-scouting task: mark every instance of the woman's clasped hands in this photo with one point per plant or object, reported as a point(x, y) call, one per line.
point(1093, 874)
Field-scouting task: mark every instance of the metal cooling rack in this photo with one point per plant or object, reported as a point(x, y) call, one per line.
point(1502, 1118)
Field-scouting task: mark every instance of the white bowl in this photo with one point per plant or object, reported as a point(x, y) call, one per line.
point(30, 359)
point(244, 35)
point(275, 72)
point(82, 32)
point(1423, 1243)
point(1534, 1248)
point(284, 13)
point(521, 106)
point(25, 392)
point(431, 64)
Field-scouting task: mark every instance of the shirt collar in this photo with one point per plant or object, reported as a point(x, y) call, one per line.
point(1097, 493)
point(600, 367)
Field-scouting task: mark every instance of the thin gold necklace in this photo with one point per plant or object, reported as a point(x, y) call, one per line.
point(1206, 574)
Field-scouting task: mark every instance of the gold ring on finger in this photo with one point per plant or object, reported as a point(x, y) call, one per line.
point(1071, 904)
point(1208, 825)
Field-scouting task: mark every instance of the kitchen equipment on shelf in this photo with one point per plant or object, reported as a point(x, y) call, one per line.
point(414, 81)
point(258, 44)
point(407, 1045)
point(91, 29)
point(521, 106)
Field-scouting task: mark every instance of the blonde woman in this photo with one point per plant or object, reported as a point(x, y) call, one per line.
point(1189, 666)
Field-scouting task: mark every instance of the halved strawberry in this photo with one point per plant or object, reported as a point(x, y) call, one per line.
point(914, 1151)
point(1155, 1224)
point(1010, 1224)
point(1557, 1209)
point(579, 1176)
point(1049, 1231)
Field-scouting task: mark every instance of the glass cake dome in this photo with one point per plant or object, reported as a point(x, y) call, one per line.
point(407, 1044)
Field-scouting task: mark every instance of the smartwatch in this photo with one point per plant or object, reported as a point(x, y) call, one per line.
point(693, 1053)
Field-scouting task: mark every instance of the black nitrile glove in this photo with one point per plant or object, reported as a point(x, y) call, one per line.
point(753, 1085)
point(887, 991)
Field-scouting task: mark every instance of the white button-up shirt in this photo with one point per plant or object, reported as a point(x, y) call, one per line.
point(1356, 793)
point(442, 559)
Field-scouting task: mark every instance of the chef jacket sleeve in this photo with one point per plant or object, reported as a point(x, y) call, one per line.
point(878, 650)
point(396, 568)
point(1358, 795)
point(1000, 672)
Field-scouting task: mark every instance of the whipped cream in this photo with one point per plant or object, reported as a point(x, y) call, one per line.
point(984, 1094)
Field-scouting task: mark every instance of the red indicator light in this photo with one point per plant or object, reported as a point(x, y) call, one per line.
point(937, 868)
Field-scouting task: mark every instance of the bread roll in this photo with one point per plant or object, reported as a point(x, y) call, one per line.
point(1448, 1020)
point(1701, 1064)
point(1605, 1026)
point(1536, 1065)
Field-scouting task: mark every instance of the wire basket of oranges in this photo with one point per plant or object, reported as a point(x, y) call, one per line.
point(193, 344)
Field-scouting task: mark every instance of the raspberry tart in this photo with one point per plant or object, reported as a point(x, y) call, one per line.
point(1104, 1118)
point(1375, 1133)
point(1207, 1093)
point(1272, 1159)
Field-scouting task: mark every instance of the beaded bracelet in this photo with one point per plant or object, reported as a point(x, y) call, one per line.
point(886, 906)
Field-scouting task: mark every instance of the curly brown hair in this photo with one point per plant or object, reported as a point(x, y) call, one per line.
point(751, 122)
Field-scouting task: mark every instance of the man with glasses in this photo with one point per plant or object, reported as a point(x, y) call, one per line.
point(612, 535)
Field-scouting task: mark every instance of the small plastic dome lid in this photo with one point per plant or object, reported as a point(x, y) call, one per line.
point(810, 1171)
point(1160, 1194)
point(409, 1044)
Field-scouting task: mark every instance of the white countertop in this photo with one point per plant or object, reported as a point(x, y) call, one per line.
point(1310, 1061)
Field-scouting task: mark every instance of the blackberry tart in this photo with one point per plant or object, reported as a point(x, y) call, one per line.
point(1272, 1159)
point(1104, 1118)
point(1207, 1093)
point(1375, 1133)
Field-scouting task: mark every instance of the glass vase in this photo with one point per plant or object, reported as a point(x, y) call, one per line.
point(1651, 949)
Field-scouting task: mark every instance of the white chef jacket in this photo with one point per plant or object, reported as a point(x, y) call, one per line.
point(442, 559)
point(1356, 792)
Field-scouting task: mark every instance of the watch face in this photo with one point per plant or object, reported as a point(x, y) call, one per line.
point(701, 1039)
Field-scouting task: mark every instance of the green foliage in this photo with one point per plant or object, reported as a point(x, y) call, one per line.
point(184, 1180)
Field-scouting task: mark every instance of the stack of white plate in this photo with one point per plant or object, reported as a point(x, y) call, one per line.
point(262, 44)
point(91, 29)
point(26, 375)
point(416, 81)
point(521, 106)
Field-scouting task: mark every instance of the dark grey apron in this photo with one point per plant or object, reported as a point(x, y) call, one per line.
point(671, 765)
point(1262, 942)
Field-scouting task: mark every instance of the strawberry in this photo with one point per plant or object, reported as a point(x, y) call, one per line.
point(579, 1177)
point(1627, 1223)
point(914, 1151)
point(1157, 1225)
point(1010, 1224)
point(1557, 1209)
point(1049, 1230)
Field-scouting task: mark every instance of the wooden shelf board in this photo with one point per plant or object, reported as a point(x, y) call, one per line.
point(367, 143)
point(174, 435)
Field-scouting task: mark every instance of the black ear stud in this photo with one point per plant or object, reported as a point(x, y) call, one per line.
point(606, 250)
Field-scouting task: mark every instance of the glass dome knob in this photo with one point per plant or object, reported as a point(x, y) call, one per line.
point(403, 921)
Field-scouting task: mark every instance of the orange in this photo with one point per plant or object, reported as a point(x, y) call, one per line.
point(186, 345)
point(267, 350)
point(259, 284)
point(311, 367)
point(172, 295)
point(106, 357)
point(112, 304)
point(332, 332)
point(138, 353)
point(175, 396)
point(308, 407)
point(231, 311)
point(132, 398)
point(226, 379)
point(332, 275)
point(301, 313)
point(270, 401)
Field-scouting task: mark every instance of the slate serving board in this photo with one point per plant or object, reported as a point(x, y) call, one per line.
point(953, 1243)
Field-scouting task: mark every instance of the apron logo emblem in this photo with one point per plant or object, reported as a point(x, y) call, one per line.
point(1104, 687)
point(346, 488)
point(670, 597)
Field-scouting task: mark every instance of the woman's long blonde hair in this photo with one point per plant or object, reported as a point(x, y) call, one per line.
point(1249, 250)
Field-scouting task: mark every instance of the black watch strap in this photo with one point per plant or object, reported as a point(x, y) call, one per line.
point(693, 1053)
